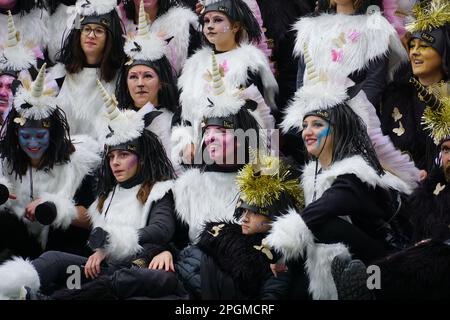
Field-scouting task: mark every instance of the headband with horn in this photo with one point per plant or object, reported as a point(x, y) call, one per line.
point(145, 45)
point(124, 126)
point(16, 56)
point(33, 101)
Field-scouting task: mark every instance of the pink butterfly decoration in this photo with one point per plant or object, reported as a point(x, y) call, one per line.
point(354, 36)
point(337, 55)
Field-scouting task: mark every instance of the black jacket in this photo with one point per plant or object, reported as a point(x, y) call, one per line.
point(228, 266)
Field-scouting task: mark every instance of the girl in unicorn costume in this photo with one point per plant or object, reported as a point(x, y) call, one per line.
point(43, 171)
point(134, 209)
point(60, 13)
point(93, 49)
point(349, 195)
point(209, 193)
point(242, 64)
point(353, 39)
point(170, 20)
point(31, 21)
point(146, 82)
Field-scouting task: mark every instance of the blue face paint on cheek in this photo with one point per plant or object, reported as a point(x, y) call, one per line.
point(34, 142)
point(323, 134)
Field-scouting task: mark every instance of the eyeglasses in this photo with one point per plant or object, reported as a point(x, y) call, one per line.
point(98, 32)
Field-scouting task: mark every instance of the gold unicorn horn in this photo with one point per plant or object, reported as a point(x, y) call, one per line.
point(218, 85)
point(38, 85)
point(13, 36)
point(110, 103)
point(310, 68)
point(143, 27)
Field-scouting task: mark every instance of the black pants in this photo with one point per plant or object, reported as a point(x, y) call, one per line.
point(15, 240)
point(55, 268)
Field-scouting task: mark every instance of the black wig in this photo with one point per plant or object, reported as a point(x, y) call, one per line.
point(167, 94)
point(248, 24)
point(163, 7)
point(24, 6)
point(58, 152)
point(154, 165)
point(72, 56)
point(350, 137)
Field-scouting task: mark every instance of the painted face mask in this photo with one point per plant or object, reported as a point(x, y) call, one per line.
point(34, 141)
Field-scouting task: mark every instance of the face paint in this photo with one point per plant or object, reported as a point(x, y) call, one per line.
point(315, 135)
point(322, 135)
point(123, 164)
point(34, 142)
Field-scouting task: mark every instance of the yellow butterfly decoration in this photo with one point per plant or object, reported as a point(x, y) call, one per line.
point(396, 115)
point(399, 131)
point(339, 41)
point(264, 248)
point(438, 189)
point(216, 230)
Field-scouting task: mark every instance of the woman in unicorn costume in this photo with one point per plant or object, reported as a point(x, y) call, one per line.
point(352, 202)
point(146, 82)
point(93, 49)
point(44, 173)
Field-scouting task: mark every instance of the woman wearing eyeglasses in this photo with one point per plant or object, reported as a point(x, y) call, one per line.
point(93, 50)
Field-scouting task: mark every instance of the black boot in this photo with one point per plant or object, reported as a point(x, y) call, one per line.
point(350, 278)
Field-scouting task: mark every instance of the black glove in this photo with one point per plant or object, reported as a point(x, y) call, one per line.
point(97, 238)
point(45, 213)
point(4, 194)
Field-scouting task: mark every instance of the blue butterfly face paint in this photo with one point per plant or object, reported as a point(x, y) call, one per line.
point(314, 134)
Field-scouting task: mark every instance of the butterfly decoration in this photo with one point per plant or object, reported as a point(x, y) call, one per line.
point(216, 230)
point(438, 189)
point(400, 130)
point(396, 115)
point(354, 36)
point(337, 55)
point(264, 248)
point(20, 120)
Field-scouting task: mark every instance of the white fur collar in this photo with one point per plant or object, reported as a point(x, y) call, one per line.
point(354, 165)
point(204, 196)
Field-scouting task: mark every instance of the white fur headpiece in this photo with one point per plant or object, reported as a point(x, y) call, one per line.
point(125, 125)
point(42, 101)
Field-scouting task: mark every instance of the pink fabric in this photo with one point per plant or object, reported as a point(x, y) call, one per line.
point(398, 22)
point(253, 5)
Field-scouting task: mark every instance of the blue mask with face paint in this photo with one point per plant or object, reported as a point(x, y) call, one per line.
point(34, 141)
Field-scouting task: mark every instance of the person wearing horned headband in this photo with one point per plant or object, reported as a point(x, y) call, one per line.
point(93, 49)
point(352, 204)
point(18, 58)
point(146, 82)
point(403, 104)
point(230, 29)
point(134, 210)
point(44, 181)
point(31, 21)
point(171, 20)
point(421, 271)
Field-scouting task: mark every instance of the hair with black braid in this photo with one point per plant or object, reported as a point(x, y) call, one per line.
point(154, 166)
point(58, 152)
point(131, 10)
point(167, 94)
point(74, 59)
point(247, 22)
